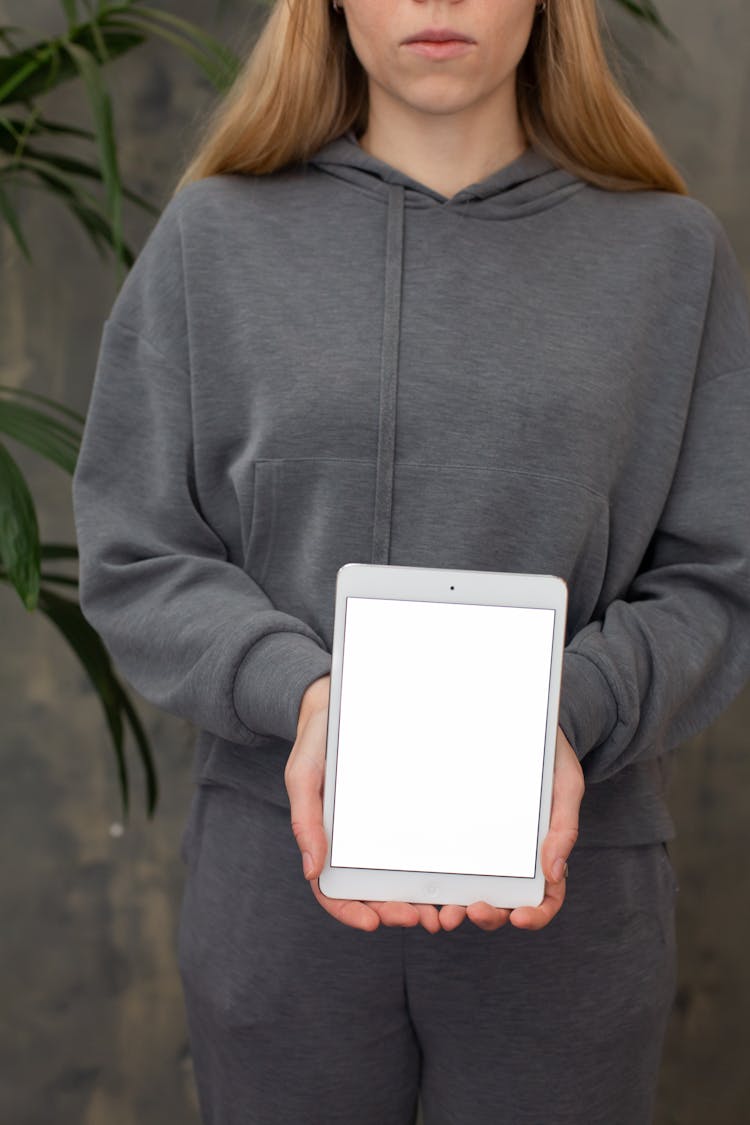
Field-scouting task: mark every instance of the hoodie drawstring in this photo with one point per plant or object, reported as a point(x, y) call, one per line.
point(394, 267)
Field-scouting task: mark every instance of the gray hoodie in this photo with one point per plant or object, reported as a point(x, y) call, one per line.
point(336, 363)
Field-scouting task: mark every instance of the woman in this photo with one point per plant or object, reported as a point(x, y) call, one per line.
point(445, 307)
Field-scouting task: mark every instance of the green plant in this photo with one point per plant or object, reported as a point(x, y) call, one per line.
point(27, 74)
point(646, 11)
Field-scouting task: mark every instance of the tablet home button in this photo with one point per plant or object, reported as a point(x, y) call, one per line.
point(431, 888)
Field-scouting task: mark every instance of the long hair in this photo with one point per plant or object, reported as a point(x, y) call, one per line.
point(301, 85)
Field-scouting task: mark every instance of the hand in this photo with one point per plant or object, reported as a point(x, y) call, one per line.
point(568, 788)
point(303, 776)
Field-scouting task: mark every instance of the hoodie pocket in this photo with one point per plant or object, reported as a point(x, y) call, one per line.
point(309, 517)
point(312, 515)
point(262, 521)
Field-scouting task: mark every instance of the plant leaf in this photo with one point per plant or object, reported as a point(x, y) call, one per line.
point(227, 59)
point(70, 12)
point(45, 125)
point(58, 551)
point(63, 579)
point(101, 106)
point(116, 703)
point(45, 435)
point(35, 70)
point(95, 224)
point(220, 71)
point(19, 531)
point(9, 214)
point(22, 68)
point(5, 35)
point(647, 11)
point(22, 392)
point(144, 753)
point(88, 647)
point(45, 577)
point(12, 138)
point(73, 166)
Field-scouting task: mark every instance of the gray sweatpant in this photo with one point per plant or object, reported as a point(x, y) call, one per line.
point(296, 1019)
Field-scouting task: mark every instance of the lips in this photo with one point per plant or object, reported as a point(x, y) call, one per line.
point(442, 49)
point(438, 35)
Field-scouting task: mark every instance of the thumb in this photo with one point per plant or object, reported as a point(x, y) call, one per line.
point(567, 794)
point(304, 782)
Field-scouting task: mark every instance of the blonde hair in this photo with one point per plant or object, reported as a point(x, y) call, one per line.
point(302, 85)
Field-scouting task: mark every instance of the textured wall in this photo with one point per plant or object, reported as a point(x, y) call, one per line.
point(92, 1026)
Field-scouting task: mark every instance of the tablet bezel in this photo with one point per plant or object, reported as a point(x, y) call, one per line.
point(416, 583)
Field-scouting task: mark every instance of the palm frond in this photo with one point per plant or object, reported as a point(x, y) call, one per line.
point(218, 61)
point(82, 205)
point(19, 531)
point(34, 71)
point(101, 105)
point(73, 166)
point(93, 656)
point(9, 213)
point(48, 436)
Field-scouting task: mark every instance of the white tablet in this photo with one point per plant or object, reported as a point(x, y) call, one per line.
point(442, 725)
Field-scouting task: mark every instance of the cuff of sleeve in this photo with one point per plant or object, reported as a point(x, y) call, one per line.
point(588, 709)
point(272, 679)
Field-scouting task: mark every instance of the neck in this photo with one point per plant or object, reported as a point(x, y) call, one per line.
point(445, 152)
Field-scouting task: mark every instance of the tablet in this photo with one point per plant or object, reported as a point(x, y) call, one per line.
point(442, 725)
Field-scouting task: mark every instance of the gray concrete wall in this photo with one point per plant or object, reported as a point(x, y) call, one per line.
point(92, 1028)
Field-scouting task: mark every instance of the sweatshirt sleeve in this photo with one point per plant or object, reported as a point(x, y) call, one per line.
point(189, 630)
point(664, 661)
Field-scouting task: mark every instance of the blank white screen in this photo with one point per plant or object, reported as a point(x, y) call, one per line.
point(441, 737)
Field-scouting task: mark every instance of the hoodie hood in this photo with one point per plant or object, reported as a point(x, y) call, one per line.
point(530, 182)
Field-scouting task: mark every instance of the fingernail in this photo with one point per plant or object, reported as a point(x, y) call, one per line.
point(559, 870)
point(307, 864)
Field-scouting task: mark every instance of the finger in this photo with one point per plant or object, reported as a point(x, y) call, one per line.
point(304, 782)
point(408, 914)
point(558, 845)
point(349, 911)
point(487, 917)
point(536, 917)
point(428, 917)
point(396, 913)
point(452, 916)
point(567, 794)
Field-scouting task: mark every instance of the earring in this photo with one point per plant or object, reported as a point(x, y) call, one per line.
point(335, 6)
point(541, 7)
